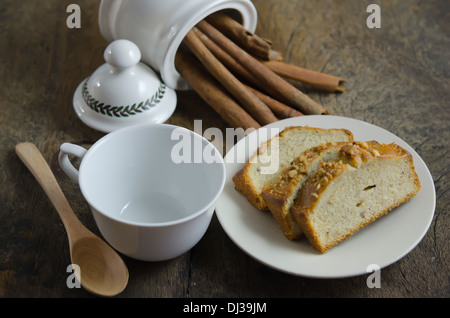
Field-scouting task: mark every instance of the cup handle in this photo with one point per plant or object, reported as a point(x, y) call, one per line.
point(65, 150)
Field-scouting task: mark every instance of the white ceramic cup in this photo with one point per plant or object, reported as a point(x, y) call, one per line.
point(159, 27)
point(152, 188)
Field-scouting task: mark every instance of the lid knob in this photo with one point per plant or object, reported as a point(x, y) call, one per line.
point(122, 54)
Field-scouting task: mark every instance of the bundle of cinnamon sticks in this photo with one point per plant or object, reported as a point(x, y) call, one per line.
point(239, 75)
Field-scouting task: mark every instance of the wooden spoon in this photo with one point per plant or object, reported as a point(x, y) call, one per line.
point(101, 270)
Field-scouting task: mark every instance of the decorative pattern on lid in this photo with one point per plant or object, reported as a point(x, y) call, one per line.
point(122, 111)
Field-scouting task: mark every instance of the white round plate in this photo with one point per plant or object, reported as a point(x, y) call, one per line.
point(381, 243)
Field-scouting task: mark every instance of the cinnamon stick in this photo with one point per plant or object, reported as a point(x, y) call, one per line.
point(260, 111)
point(212, 92)
point(249, 41)
point(227, 60)
point(279, 109)
point(315, 79)
point(273, 83)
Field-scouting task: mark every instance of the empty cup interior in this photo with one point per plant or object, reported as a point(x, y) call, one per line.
point(152, 174)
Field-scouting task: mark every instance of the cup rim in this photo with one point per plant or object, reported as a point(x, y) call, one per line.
point(219, 160)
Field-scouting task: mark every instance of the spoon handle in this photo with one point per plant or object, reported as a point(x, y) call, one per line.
point(35, 162)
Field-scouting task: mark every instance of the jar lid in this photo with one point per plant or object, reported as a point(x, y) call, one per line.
point(123, 92)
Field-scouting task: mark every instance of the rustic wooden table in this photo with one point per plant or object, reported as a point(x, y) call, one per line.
point(398, 78)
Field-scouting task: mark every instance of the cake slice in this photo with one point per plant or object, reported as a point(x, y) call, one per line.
point(265, 166)
point(280, 195)
point(344, 196)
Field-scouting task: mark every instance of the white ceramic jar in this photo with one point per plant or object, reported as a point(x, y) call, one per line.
point(158, 27)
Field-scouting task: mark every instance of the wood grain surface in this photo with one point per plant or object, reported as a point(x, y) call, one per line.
point(398, 78)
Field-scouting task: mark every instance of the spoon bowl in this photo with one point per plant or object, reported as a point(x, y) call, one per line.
point(100, 270)
point(101, 278)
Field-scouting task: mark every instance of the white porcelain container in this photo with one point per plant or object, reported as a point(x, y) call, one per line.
point(158, 27)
